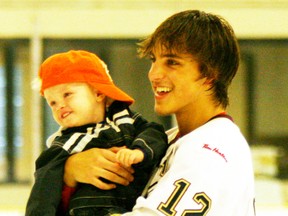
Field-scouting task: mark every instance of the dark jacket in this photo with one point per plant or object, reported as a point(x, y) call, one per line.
point(135, 132)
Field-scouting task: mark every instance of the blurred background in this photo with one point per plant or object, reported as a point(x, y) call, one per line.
point(32, 30)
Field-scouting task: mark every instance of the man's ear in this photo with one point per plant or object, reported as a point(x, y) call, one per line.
point(209, 81)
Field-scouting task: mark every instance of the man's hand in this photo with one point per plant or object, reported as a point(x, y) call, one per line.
point(91, 165)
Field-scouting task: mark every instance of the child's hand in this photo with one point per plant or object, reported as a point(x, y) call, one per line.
point(127, 157)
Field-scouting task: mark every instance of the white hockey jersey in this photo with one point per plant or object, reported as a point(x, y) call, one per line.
point(206, 172)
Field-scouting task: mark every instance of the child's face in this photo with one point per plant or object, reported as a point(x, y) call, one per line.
point(75, 104)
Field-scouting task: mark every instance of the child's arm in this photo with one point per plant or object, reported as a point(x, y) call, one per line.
point(149, 137)
point(127, 157)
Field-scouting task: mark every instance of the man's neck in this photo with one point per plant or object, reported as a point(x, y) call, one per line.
point(193, 120)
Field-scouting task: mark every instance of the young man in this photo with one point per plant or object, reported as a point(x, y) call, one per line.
point(207, 169)
point(79, 91)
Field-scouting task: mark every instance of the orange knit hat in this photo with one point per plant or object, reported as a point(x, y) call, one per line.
point(80, 66)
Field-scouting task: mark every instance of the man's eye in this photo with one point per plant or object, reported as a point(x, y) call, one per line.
point(152, 58)
point(172, 62)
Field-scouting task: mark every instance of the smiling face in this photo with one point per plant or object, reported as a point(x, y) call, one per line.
point(75, 104)
point(177, 83)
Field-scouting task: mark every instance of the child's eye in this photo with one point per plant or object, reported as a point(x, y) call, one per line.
point(67, 94)
point(52, 103)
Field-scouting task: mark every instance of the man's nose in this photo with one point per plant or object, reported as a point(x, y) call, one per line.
point(155, 73)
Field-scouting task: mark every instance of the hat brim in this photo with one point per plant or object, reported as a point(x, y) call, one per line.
point(113, 92)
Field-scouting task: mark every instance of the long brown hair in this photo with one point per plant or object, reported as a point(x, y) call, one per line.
point(208, 38)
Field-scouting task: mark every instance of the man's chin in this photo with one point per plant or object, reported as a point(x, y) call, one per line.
point(161, 112)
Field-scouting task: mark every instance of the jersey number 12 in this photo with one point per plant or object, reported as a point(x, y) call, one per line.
point(168, 208)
